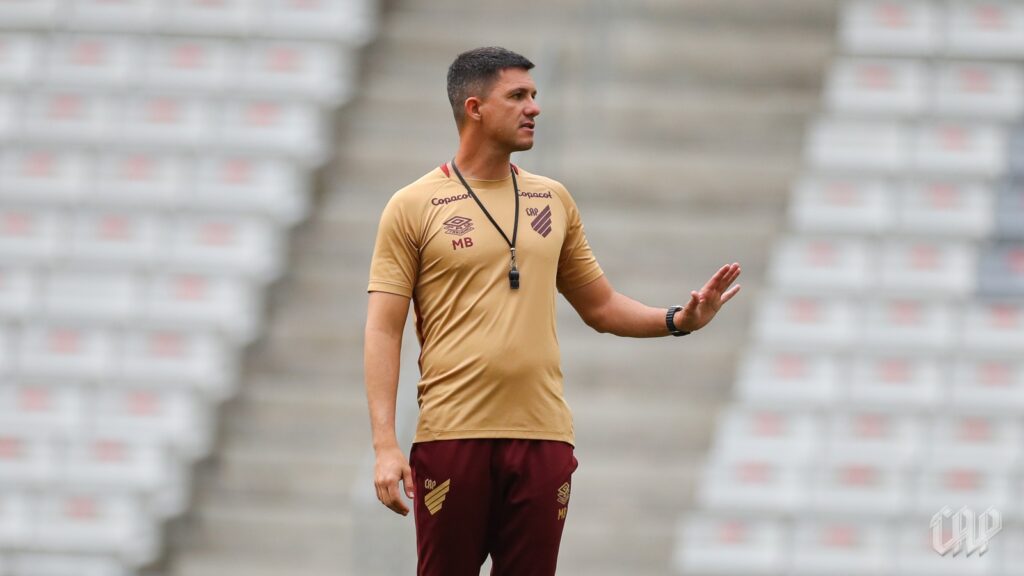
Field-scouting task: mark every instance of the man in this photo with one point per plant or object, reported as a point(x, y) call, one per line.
point(480, 245)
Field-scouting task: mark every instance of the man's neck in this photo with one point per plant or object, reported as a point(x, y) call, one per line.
point(481, 164)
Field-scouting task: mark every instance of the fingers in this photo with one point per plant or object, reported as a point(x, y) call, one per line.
point(732, 292)
point(407, 482)
point(395, 499)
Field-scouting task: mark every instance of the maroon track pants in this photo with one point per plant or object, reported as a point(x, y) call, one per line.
point(507, 498)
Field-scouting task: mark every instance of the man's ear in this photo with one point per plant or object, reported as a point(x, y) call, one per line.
point(472, 108)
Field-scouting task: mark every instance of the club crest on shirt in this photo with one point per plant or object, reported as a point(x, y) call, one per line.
point(541, 223)
point(458, 225)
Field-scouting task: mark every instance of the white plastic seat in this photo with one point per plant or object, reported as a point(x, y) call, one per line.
point(874, 86)
point(847, 486)
point(841, 546)
point(18, 292)
point(317, 71)
point(64, 350)
point(41, 408)
point(18, 14)
point(994, 326)
point(987, 29)
point(90, 60)
point(140, 179)
point(753, 485)
point(909, 324)
point(858, 145)
point(26, 459)
point(831, 264)
point(68, 116)
point(177, 356)
point(786, 438)
point(995, 384)
point(19, 57)
point(115, 15)
point(915, 555)
point(349, 21)
point(173, 417)
point(117, 236)
point(224, 17)
point(975, 439)
point(923, 268)
point(30, 235)
point(816, 321)
point(722, 545)
point(836, 204)
point(190, 63)
point(276, 126)
point(15, 519)
point(271, 187)
point(788, 378)
point(62, 564)
point(228, 304)
point(40, 175)
point(894, 380)
point(896, 27)
point(946, 208)
point(239, 245)
point(105, 296)
point(956, 485)
point(979, 90)
point(167, 119)
point(96, 523)
point(960, 148)
point(876, 436)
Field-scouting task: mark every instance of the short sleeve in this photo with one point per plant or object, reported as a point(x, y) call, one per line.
point(577, 265)
point(395, 264)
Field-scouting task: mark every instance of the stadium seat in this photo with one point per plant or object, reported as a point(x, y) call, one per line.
point(29, 235)
point(724, 546)
point(196, 64)
point(167, 119)
point(19, 57)
point(1001, 271)
point(350, 22)
point(64, 350)
point(68, 116)
point(788, 378)
point(828, 264)
point(167, 355)
point(141, 16)
point(274, 126)
point(946, 208)
point(993, 29)
point(893, 380)
point(223, 303)
point(979, 90)
point(95, 522)
point(817, 321)
point(123, 237)
point(995, 384)
point(296, 70)
point(872, 146)
point(994, 326)
point(842, 205)
point(874, 86)
point(848, 486)
point(19, 293)
point(915, 555)
point(67, 565)
point(841, 547)
point(15, 519)
point(908, 324)
point(90, 61)
point(753, 485)
point(921, 268)
point(19, 14)
point(975, 439)
point(40, 408)
point(878, 436)
point(105, 296)
point(960, 148)
point(43, 175)
point(224, 17)
point(159, 415)
point(28, 460)
point(271, 187)
point(779, 437)
point(958, 485)
point(217, 244)
point(139, 178)
point(896, 27)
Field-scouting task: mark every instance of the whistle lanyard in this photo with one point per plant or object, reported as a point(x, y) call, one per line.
point(513, 273)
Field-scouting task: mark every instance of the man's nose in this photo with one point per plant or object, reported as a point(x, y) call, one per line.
point(532, 108)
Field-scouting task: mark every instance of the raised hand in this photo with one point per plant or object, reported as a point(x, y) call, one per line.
point(706, 302)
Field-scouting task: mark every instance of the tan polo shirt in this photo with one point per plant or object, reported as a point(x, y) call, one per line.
point(489, 360)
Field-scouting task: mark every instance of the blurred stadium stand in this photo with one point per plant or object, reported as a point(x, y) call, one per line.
point(882, 381)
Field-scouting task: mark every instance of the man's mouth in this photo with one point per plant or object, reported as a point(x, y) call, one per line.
point(529, 125)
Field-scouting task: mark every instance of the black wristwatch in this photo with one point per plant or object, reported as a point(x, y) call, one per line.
point(670, 321)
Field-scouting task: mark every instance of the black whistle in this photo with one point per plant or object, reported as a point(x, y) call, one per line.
point(513, 278)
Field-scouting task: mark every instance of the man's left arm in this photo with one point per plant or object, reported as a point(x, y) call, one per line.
point(606, 310)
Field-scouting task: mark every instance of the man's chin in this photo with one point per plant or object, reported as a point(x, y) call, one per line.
point(523, 146)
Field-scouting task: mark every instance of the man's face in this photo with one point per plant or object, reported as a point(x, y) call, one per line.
point(508, 110)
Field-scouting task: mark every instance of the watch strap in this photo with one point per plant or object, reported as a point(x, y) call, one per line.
point(670, 321)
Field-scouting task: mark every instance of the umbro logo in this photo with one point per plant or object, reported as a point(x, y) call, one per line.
point(458, 226)
point(563, 494)
point(435, 498)
point(542, 222)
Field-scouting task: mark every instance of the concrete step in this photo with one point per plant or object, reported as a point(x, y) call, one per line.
point(213, 564)
point(281, 477)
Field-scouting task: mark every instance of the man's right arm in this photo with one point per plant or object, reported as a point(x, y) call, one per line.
point(385, 322)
